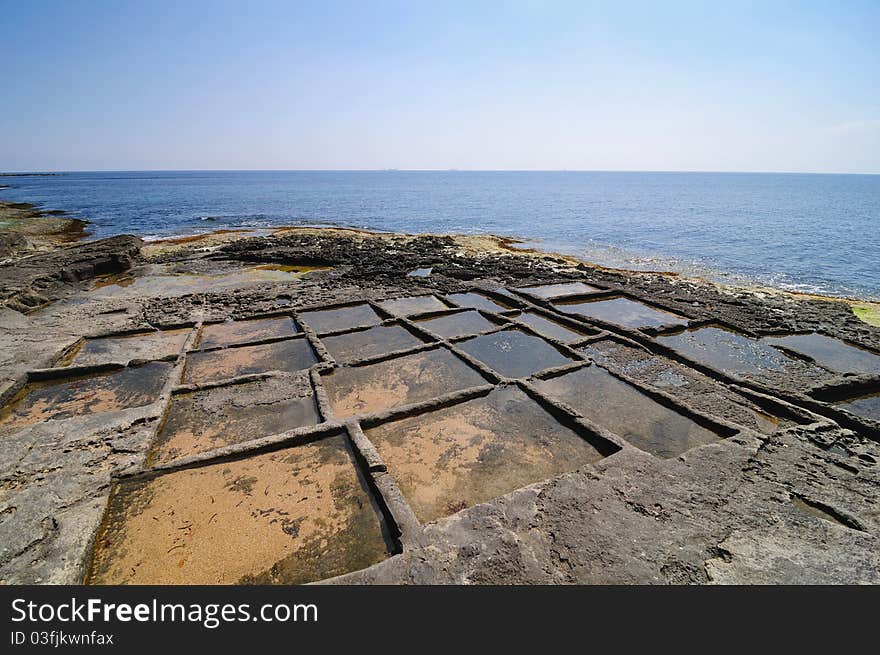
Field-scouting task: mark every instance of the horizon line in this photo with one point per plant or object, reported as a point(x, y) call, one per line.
point(25, 173)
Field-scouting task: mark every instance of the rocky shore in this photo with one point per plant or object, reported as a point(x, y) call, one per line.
point(26, 229)
point(666, 430)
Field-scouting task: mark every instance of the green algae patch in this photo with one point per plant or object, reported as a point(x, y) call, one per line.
point(290, 268)
point(869, 314)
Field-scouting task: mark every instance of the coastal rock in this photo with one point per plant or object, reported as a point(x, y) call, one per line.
point(782, 488)
point(26, 229)
point(13, 244)
point(34, 280)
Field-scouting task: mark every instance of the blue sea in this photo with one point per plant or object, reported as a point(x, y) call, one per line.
point(804, 232)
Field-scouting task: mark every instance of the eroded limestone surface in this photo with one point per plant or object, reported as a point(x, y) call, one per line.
point(550, 423)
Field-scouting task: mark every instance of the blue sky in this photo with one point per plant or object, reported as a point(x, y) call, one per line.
point(739, 86)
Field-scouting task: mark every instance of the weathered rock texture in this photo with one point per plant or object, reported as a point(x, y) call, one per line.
point(786, 491)
point(38, 279)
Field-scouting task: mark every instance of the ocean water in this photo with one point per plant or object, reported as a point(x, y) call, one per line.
point(813, 233)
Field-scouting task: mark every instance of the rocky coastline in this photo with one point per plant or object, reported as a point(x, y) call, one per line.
point(778, 482)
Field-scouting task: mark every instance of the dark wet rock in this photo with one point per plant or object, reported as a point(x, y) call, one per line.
point(30, 282)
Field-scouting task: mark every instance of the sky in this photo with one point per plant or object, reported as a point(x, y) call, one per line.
point(537, 85)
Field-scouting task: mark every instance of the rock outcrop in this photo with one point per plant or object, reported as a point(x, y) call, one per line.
point(38, 279)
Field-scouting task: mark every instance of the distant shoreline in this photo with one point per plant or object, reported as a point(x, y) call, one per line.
point(495, 242)
point(801, 232)
point(30, 174)
point(50, 228)
point(430, 170)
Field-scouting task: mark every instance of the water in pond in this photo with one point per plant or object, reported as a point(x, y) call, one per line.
point(475, 300)
point(548, 291)
point(420, 272)
point(208, 419)
point(867, 406)
point(287, 517)
point(767, 423)
point(374, 341)
point(121, 280)
point(550, 329)
point(726, 350)
point(341, 318)
point(458, 324)
point(291, 355)
point(162, 280)
point(624, 410)
point(156, 284)
point(123, 349)
point(513, 353)
point(623, 312)
point(814, 510)
point(396, 382)
point(467, 454)
point(831, 353)
point(683, 383)
point(123, 389)
point(233, 332)
point(274, 271)
point(409, 305)
point(509, 297)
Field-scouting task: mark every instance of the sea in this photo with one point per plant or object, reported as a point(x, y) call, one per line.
point(803, 232)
